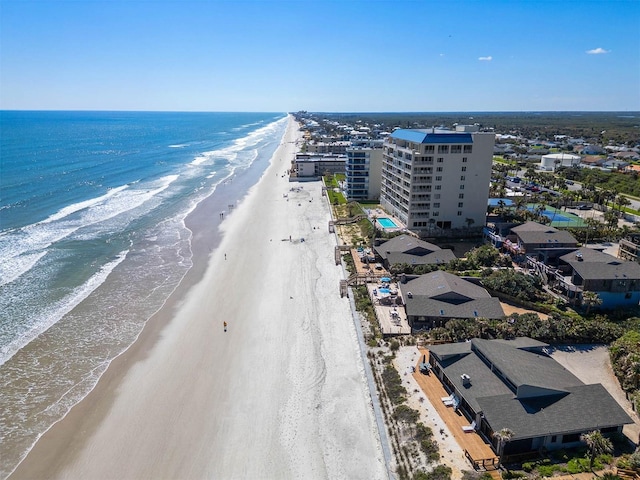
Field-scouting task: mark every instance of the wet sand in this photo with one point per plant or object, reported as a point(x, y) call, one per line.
point(280, 394)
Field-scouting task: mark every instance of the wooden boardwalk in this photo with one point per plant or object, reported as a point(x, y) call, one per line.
point(478, 452)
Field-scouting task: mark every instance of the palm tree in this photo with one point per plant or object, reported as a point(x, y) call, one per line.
point(469, 221)
point(597, 445)
point(621, 201)
point(591, 299)
point(503, 437)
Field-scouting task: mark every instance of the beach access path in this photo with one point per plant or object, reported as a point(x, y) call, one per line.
point(281, 394)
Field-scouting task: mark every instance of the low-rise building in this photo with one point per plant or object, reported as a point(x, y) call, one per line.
point(629, 247)
point(615, 280)
point(542, 242)
point(515, 384)
point(412, 251)
point(437, 297)
point(316, 165)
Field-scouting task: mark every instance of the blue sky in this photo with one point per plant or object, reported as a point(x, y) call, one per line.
point(324, 55)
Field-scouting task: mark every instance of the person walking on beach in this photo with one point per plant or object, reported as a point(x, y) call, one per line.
point(225, 326)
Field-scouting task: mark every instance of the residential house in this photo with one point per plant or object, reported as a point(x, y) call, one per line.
point(541, 242)
point(412, 251)
point(437, 297)
point(515, 384)
point(615, 280)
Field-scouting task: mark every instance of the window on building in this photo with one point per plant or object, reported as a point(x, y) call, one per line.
point(554, 438)
point(461, 195)
point(436, 205)
point(570, 438)
point(443, 148)
point(438, 169)
point(460, 204)
point(464, 159)
point(464, 168)
point(467, 149)
point(459, 213)
point(436, 196)
point(440, 160)
point(462, 178)
point(429, 149)
point(456, 148)
point(461, 187)
point(436, 214)
point(438, 187)
point(438, 179)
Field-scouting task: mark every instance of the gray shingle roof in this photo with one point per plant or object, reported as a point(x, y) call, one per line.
point(582, 408)
point(536, 233)
point(528, 370)
point(562, 403)
point(592, 264)
point(413, 251)
point(444, 295)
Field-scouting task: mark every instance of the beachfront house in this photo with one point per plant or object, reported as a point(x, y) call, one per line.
point(542, 243)
point(437, 180)
point(515, 384)
point(616, 281)
point(437, 297)
point(412, 251)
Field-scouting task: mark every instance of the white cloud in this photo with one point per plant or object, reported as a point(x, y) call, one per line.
point(597, 51)
point(485, 59)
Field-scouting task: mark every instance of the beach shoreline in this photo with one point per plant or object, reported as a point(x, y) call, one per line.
point(189, 400)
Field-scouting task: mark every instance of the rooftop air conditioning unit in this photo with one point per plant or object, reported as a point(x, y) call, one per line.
point(466, 379)
point(409, 294)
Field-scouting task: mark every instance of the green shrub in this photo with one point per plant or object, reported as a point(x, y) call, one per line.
point(528, 466)
point(579, 465)
point(547, 470)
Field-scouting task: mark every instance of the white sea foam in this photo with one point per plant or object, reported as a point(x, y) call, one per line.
point(21, 249)
point(230, 153)
point(58, 309)
point(76, 207)
point(12, 268)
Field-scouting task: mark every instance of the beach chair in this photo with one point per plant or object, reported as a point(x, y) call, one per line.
point(469, 428)
point(447, 399)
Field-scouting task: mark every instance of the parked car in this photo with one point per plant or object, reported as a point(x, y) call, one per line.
point(568, 182)
point(584, 207)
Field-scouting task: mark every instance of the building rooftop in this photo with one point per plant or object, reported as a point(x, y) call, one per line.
point(433, 136)
point(516, 385)
point(444, 295)
point(413, 251)
point(592, 264)
point(536, 233)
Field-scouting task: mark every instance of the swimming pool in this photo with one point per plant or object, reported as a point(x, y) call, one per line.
point(387, 223)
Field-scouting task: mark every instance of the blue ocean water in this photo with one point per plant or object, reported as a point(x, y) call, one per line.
point(93, 241)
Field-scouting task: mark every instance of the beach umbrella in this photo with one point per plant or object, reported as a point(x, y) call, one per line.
point(385, 279)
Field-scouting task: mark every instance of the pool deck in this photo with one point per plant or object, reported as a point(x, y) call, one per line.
point(391, 316)
point(379, 213)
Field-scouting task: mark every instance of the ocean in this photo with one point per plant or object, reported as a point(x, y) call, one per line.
point(93, 240)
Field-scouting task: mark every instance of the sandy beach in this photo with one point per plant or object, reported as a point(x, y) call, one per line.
point(280, 394)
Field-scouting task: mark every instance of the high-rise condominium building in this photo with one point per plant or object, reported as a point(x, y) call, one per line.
point(437, 179)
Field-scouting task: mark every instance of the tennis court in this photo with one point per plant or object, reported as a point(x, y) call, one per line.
point(559, 218)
